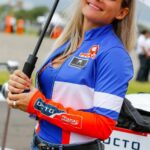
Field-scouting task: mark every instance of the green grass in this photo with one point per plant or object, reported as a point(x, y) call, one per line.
point(4, 76)
point(134, 86)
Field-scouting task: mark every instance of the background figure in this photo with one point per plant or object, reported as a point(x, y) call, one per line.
point(147, 56)
point(142, 54)
point(13, 24)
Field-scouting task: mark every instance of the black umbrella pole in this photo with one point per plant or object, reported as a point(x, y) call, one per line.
point(31, 61)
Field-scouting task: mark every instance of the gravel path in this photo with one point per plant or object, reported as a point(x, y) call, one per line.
point(15, 47)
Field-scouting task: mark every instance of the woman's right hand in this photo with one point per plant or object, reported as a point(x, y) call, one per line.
point(19, 82)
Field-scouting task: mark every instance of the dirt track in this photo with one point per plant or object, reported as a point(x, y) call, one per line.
point(15, 47)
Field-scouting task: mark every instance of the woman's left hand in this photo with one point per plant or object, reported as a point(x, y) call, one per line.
point(20, 101)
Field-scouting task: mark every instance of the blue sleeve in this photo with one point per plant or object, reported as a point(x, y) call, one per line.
point(113, 71)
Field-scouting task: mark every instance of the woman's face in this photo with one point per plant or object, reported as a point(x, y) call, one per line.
point(102, 12)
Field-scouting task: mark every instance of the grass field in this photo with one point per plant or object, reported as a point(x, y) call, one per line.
point(134, 86)
point(4, 76)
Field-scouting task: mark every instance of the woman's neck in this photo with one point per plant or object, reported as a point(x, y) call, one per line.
point(88, 25)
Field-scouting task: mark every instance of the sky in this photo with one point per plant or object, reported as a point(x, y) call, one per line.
point(147, 2)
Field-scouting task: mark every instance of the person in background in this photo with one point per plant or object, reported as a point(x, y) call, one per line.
point(147, 45)
point(142, 55)
point(81, 86)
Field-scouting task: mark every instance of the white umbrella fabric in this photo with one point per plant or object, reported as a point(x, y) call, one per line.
point(146, 2)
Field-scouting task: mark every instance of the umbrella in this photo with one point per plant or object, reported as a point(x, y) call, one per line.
point(146, 2)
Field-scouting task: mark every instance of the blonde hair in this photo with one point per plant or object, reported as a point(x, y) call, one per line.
point(125, 29)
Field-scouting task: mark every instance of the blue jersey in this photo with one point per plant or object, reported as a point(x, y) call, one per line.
point(93, 79)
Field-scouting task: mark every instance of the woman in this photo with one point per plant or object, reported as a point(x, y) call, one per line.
point(81, 86)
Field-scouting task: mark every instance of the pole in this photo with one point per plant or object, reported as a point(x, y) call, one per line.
point(31, 61)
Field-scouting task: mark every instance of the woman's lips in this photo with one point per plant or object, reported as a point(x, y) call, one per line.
point(94, 6)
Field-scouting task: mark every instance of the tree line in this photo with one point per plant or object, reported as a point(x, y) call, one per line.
point(31, 14)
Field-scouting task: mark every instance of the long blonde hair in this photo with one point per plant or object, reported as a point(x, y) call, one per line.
point(125, 29)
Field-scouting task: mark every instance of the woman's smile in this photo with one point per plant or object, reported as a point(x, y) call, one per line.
point(94, 6)
point(102, 12)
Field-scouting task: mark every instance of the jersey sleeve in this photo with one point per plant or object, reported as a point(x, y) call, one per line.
point(114, 70)
point(85, 123)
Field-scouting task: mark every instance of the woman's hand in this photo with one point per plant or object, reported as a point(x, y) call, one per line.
point(20, 101)
point(19, 82)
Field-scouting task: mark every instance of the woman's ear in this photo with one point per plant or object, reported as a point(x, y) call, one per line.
point(122, 14)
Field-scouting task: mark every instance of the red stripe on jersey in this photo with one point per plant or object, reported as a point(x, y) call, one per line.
point(65, 137)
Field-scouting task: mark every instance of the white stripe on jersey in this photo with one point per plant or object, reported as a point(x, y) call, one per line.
point(73, 95)
point(108, 101)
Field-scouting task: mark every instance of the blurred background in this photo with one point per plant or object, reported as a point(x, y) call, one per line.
point(21, 22)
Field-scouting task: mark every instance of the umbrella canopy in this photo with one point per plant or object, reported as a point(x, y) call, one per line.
point(146, 2)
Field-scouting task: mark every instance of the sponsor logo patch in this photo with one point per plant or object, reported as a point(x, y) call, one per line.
point(78, 62)
point(47, 109)
point(73, 120)
point(92, 52)
point(55, 113)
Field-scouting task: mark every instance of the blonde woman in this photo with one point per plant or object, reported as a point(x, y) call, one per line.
point(81, 87)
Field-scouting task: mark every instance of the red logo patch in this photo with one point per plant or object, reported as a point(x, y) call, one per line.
point(70, 119)
point(92, 52)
